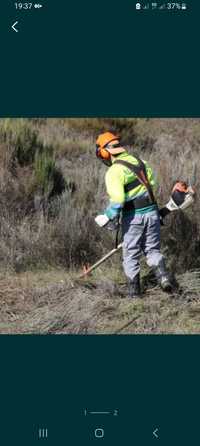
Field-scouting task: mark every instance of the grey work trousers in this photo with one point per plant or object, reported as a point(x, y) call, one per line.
point(141, 235)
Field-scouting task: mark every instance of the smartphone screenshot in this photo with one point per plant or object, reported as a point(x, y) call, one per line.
point(99, 223)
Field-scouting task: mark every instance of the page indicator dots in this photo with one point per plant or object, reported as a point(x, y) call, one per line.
point(113, 412)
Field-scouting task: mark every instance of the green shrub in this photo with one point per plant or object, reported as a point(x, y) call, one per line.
point(20, 140)
point(55, 162)
point(48, 178)
point(125, 127)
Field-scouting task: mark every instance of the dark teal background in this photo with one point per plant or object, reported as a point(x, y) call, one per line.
point(89, 58)
point(48, 381)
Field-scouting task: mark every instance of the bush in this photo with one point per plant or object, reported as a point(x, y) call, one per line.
point(125, 127)
point(20, 141)
point(56, 168)
point(49, 179)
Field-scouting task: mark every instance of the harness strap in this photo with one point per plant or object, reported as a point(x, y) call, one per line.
point(132, 185)
point(140, 171)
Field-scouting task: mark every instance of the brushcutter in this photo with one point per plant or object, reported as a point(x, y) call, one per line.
point(181, 198)
point(182, 195)
point(88, 270)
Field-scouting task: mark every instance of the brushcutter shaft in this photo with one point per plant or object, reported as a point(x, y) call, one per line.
point(169, 207)
point(101, 261)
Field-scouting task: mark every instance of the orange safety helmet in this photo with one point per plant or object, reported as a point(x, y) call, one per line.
point(104, 150)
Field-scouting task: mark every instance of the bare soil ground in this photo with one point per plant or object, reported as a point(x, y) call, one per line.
point(55, 302)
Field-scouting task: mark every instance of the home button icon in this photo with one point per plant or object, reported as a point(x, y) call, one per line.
point(99, 432)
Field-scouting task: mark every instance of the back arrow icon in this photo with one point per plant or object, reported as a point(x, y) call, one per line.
point(13, 27)
point(155, 433)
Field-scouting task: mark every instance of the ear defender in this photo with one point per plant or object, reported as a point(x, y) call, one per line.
point(102, 153)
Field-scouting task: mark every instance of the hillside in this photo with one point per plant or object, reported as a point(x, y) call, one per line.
point(51, 188)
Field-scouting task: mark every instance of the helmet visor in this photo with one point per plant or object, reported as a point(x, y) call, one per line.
point(115, 148)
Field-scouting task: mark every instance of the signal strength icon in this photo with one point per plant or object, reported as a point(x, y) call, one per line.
point(38, 6)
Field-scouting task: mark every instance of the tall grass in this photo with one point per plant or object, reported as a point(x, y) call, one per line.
point(55, 161)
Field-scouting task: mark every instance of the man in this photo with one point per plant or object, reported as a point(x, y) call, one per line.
point(130, 188)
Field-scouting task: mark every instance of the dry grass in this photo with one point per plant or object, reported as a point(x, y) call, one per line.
point(57, 303)
point(65, 222)
point(38, 231)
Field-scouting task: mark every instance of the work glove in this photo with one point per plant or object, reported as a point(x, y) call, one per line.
point(102, 220)
point(162, 213)
point(162, 221)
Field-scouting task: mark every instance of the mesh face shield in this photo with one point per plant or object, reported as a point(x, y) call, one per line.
point(104, 154)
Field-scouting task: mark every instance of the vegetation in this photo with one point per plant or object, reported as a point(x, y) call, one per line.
point(52, 187)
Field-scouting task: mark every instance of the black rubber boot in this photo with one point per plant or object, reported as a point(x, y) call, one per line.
point(163, 277)
point(134, 287)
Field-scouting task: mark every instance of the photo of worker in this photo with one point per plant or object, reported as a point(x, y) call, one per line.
point(99, 226)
